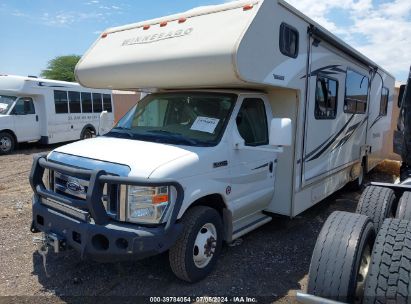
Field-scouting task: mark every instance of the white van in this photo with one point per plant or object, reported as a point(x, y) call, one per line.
point(49, 111)
point(258, 111)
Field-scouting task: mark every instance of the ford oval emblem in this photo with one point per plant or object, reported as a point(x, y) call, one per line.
point(75, 186)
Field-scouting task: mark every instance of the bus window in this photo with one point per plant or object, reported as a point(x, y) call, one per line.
point(60, 102)
point(86, 102)
point(74, 102)
point(97, 103)
point(107, 103)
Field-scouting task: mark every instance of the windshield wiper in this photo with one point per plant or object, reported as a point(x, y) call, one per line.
point(176, 136)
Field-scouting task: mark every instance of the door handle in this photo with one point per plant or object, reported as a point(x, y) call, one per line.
point(270, 167)
point(37, 118)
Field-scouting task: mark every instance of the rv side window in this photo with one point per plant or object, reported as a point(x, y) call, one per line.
point(356, 93)
point(74, 102)
point(97, 103)
point(60, 102)
point(107, 103)
point(24, 106)
point(252, 122)
point(326, 93)
point(289, 39)
point(384, 101)
point(86, 103)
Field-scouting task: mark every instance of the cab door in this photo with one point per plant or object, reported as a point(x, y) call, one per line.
point(252, 167)
point(26, 120)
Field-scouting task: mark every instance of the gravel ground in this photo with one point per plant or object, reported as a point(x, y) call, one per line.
point(271, 261)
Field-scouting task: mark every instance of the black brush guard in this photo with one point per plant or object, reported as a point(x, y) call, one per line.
point(86, 226)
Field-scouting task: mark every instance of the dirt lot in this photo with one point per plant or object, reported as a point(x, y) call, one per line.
point(272, 261)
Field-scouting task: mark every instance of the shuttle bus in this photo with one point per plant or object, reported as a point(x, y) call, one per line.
point(49, 111)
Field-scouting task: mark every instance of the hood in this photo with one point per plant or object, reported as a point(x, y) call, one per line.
point(141, 157)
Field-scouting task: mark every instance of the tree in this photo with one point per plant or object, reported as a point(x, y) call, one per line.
point(61, 68)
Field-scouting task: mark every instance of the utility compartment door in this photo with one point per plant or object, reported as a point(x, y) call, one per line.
point(336, 113)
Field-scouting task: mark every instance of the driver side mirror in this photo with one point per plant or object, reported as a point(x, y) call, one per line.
point(280, 132)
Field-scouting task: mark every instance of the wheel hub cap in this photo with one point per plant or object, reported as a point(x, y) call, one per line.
point(5, 144)
point(363, 272)
point(204, 245)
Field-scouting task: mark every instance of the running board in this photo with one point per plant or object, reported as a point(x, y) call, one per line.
point(254, 222)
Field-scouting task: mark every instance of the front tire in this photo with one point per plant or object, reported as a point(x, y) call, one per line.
point(7, 143)
point(195, 253)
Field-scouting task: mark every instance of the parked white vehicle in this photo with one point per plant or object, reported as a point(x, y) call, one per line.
point(212, 153)
point(49, 111)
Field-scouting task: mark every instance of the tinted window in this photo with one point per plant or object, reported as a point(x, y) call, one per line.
point(356, 93)
point(74, 102)
point(252, 122)
point(107, 103)
point(326, 93)
point(384, 101)
point(24, 106)
point(97, 103)
point(86, 103)
point(60, 102)
point(288, 40)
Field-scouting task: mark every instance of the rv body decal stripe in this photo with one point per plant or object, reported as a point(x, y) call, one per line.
point(260, 167)
point(327, 70)
point(325, 145)
point(376, 120)
point(348, 134)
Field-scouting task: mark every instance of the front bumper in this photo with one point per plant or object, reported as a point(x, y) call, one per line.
point(90, 230)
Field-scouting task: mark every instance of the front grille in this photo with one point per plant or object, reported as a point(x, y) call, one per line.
point(62, 186)
point(76, 188)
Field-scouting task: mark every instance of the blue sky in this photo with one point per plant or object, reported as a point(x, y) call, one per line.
point(33, 32)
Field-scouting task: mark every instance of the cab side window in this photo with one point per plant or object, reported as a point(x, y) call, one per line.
point(252, 122)
point(24, 106)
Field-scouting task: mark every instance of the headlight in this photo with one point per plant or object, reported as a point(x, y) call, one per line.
point(147, 204)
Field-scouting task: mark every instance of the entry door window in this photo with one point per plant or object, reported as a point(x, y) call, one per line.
point(252, 122)
point(24, 106)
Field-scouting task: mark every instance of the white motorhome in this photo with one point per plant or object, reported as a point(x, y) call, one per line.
point(49, 111)
point(211, 154)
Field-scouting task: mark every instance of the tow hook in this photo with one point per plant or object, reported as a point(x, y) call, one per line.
point(33, 228)
point(49, 241)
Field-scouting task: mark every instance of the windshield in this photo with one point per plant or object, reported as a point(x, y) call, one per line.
point(5, 103)
point(194, 119)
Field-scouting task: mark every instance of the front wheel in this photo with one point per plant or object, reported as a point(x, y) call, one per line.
point(194, 255)
point(7, 143)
